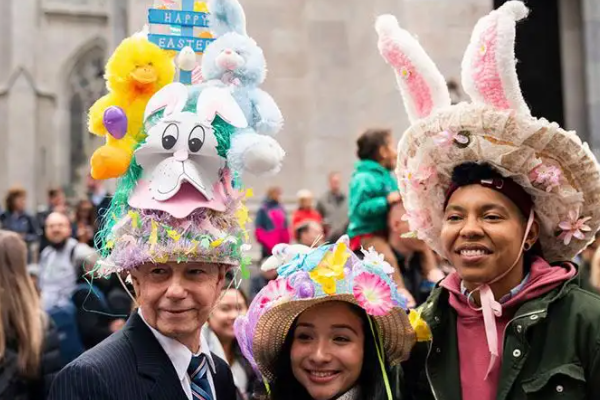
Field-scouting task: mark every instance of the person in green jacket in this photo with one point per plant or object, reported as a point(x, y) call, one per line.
point(373, 190)
point(507, 199)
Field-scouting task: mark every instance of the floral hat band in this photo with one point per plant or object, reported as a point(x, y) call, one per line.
point(311, 276)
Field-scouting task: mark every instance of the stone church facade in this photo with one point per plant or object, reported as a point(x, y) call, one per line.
point(324, 72)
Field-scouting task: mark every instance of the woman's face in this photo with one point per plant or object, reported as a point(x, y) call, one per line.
point(231, 306)
point(328, 349)
point(482, 233)
point(20, 202)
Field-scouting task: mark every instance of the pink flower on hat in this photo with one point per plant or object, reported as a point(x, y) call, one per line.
point(373, 294)
point(574, 227)
point(421, 177)
point(446, 139)
point(277, 291)
point(546, 175)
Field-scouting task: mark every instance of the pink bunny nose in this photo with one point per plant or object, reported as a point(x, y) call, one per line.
point(228, 51)
point(181, 155)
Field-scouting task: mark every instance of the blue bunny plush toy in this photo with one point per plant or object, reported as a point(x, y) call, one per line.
point(235, 60)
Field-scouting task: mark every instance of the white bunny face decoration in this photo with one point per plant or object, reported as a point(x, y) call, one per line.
point(182, 146)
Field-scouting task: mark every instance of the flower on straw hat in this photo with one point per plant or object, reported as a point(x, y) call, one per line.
point(331, 268)
point(277, 291)
point(574, 227)
point(377, 260)
point(373, 294)
point(420, 326)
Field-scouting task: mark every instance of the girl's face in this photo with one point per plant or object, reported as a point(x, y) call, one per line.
point(231, 306)
point(328, 349)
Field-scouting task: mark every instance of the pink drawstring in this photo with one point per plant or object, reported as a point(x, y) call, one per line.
point(492, 309)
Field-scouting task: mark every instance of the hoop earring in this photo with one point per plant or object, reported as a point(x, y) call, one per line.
point(527, 247)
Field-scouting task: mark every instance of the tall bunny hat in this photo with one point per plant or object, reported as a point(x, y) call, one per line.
point(177, 202)
point(552, 165)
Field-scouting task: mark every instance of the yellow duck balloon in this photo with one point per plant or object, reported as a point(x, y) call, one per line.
point(134, 73)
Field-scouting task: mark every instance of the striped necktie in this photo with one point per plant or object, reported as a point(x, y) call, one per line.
point(198, 371)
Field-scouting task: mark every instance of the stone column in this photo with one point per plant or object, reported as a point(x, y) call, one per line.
point(22, 103)
point(591, 29)
point(573, 67)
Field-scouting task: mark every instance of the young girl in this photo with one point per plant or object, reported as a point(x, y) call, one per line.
point(329, 327)
point(373, 191)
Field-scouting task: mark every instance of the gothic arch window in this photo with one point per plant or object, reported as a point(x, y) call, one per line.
point(86, 85)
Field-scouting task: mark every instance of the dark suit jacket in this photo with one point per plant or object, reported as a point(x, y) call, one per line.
point(130, 365)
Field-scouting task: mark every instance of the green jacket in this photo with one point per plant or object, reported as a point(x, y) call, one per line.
point(367, 204)
point(551, 350)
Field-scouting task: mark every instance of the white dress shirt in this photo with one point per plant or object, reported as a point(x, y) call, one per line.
point(181, 357)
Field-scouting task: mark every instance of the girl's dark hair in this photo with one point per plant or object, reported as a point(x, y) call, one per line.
point(370, 141)
point(286, 387)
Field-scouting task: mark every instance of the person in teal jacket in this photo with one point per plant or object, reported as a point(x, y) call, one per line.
point(373, 190)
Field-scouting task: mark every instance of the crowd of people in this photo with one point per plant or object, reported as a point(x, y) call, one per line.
point(463, 263)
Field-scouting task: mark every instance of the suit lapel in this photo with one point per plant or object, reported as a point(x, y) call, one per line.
point(153, 364)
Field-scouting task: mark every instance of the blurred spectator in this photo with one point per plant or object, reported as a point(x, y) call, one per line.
point(594, 275)
point(57, 202)
point(221, 340)
point(85, 224)
point(58, 281)
point(584, 260)
point(333, 207)
point(306, 210)
point(309, 233)
point(33, 270)
point(15, 219)
point(99, 197)
point(373, 190)
point(271, 223)
point(29, 355)
point(99, 313)
point(419, 264)
point(271, 229)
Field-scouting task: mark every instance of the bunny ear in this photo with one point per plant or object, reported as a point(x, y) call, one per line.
point(226, 16)
point(489, 73)
point(214, 101)
point(171, 98)
point(422, 86)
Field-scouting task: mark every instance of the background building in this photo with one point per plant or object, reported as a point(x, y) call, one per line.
point(324, 71)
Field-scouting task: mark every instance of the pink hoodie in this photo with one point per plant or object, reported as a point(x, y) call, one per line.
point(472, 344)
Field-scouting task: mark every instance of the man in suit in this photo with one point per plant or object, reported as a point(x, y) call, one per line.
point(151, 357)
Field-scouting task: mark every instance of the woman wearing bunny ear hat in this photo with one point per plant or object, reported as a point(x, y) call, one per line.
point(331, 326)
point(175, 227)
point(508, 200)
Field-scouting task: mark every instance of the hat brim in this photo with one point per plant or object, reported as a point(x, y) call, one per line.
point(515, 144)
point(273, 327)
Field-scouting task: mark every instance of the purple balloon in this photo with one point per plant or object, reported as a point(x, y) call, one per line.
point(115, 121)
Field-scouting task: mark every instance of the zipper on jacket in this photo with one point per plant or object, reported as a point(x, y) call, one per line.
point(427, 371)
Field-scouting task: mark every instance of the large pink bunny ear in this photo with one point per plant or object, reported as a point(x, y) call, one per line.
point(489, 73)
point(422, 86)
point(171, 98)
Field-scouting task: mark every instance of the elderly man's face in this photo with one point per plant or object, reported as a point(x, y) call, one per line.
point(176, 299)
